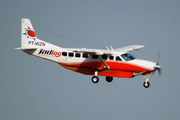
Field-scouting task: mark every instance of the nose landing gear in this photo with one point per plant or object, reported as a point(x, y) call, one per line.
point(146, 84)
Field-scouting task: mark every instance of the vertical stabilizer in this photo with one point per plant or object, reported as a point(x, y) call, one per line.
point(29, 39)
point(27, 33)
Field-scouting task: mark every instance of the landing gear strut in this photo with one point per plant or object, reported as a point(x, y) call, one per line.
point(95, 78)
point(146, 84)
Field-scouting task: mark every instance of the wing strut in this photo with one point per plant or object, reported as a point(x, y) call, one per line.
point(140, 73)
point(107, 67)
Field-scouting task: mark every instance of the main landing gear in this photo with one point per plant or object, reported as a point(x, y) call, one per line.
point(109, 79)
point(95, 79)
point(146, 84)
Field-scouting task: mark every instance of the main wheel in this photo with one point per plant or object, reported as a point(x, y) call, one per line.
point(95, 79)
point(146, 84)
point(109, 79)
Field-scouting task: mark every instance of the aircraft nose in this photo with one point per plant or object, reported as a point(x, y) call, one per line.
point(157, 67)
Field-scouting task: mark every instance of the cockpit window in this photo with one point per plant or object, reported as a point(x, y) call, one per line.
point(118, 58)
point(128, 57)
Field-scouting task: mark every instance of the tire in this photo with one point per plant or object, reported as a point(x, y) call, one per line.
point(146, 84)
point(95, 79)
point(109, 79)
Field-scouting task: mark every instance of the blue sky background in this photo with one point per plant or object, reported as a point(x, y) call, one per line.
point(35, 89)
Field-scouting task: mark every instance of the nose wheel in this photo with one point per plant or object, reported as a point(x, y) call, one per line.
point(146, 84)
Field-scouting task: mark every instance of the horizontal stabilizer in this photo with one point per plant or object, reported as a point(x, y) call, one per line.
point(25, 48)
point(18, 48)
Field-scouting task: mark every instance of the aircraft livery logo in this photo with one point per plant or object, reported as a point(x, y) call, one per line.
point(50, 52)
point(30, 33)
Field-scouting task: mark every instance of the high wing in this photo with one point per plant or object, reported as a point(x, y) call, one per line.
point(94, 51)
point(109, 52)
point(129, 48)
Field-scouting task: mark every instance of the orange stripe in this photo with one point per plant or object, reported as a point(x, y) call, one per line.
point(89, 71)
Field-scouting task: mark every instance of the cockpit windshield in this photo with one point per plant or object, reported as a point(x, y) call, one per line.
point(128, 57)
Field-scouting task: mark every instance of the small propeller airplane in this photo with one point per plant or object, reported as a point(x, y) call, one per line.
point(96, 62)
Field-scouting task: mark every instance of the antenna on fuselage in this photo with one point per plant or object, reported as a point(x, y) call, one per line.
point(112, 48)
point(107, 48)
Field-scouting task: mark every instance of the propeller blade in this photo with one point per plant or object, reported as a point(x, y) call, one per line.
point(157, 67)
point(160, 72)
point(152, 73)
point(158, 57)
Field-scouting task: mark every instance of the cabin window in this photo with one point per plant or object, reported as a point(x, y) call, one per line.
point(94, 56)
point(64, 53)
point(111, 57)
point(85, 55)
point(71, 54)
point(118, 58)
point(78, 55)
point(104, 57)
point(127, 57)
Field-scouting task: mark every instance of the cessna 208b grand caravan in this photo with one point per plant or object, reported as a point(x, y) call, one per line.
point(96, 62)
